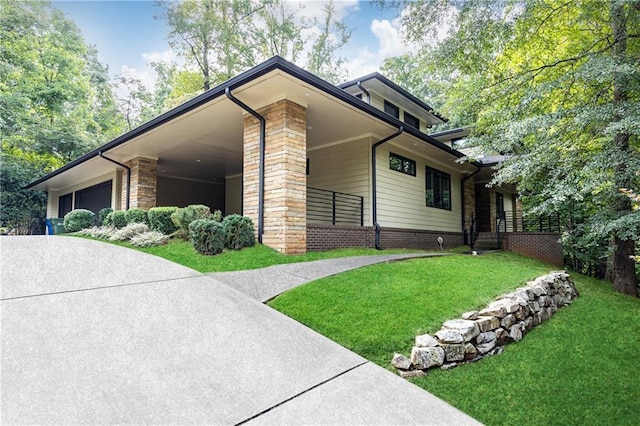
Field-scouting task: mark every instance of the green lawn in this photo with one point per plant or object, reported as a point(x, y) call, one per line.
point(255, 257)
point(580, 367)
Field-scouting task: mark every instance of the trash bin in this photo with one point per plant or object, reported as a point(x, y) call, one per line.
point(55, 225)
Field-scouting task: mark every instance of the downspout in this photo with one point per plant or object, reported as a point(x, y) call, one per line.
point(374, 197)
point(462, 182)
point(365, 91)
point(261, 119)
point(128, 175)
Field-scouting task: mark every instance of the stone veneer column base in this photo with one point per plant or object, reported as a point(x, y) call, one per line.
point(144, 183)
point(285, 179)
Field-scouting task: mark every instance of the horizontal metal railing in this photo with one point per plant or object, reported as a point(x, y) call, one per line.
point(336, 208)
point(507, 221)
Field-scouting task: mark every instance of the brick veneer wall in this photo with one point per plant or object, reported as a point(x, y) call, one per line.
point(285, 185)
point(144, 183)
point(326, 237)
point(544, 246)
point(418, 239)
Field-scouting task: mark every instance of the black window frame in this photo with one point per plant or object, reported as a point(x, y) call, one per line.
point(392, 109)
point(409, 117)
point(403, 162)
point(440, 183)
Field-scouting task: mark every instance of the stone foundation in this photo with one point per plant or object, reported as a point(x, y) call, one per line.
point(484, 333)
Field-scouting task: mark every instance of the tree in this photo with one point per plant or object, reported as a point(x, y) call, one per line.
point(55, 99)
point(222, 38)
point(555, 85)
point(332, 36)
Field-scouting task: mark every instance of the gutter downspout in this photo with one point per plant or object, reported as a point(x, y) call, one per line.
point(373, 182)
point(365, 91)
point(261, 119)
point(462, 182)
point(128, 175)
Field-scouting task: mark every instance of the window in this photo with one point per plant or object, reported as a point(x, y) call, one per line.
point(411, 120)
point(391, 109)
point(402, 164)
point(438, 189)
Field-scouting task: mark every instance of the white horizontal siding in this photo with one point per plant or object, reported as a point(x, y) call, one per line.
point(342, 168)
point(401, 197)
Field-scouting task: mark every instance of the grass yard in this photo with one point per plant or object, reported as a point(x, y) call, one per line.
point(579, 368)
point(258, 256)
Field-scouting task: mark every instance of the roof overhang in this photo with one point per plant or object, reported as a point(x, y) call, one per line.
point(202, 138)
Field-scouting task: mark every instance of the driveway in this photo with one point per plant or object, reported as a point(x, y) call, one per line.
point(96, 333)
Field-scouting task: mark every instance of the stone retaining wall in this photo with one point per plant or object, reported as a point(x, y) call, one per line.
point(483, 333)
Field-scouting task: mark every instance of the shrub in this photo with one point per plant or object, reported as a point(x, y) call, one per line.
point(183, 217)
point(149, 239)
point(102, 215)
point(108, 220)
point(217, 216)
point(79, 219)
point(136, 215)
point(207, 236)
point(160, 219)
point(119, 219)
point(239, 230)
point(103, 232)
point(129, 231)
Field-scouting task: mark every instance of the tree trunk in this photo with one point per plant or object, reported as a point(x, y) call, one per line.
point(624, 278)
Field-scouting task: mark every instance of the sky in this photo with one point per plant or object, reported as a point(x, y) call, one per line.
point(128, 37)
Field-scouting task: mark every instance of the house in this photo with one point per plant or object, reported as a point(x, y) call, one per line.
point(315, 166)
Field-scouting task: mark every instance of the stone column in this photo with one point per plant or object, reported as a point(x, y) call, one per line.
point(285, 191)
point(144, 182)
point(469, 203)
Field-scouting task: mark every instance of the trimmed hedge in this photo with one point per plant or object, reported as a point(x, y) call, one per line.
point(136, 215)
point(119, 219)
point(79, 219)
point(160, 219)
point(108, 220)
point(239, 230)
point(207, 236)
point(102, 215)
point(183, 217)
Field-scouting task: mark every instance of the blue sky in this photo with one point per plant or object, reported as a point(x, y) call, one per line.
point(127, 36)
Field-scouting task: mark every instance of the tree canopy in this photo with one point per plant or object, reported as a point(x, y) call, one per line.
point(56, 101)
point(554, 85)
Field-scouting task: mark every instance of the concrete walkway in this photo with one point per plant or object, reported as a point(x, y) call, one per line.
point(96, 333)
point(266, 283)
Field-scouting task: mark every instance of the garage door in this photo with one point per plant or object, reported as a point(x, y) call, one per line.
point(95, 197)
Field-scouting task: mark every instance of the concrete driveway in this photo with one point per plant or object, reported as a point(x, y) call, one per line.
point(95, 333)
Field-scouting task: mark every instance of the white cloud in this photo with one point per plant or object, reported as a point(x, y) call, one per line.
point(389, 43)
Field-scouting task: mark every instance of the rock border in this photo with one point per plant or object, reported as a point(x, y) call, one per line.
point(478, 334)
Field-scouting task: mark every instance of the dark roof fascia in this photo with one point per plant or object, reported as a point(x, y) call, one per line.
point(449, 132)
point(338, 92)
point(199, 100)
point(394, 86)
point(269, 65)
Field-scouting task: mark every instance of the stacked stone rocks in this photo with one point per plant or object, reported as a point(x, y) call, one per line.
point(483, 333)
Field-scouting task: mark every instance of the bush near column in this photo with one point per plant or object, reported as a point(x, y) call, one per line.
point(207, 236)
point(102, 215)
point(160, 219)
point(239, 231)
point(136, 215)
point(79, 219)
point(108, 220)
point(119, 219)
point(183, 217)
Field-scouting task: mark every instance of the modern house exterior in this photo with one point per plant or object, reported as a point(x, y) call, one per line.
point(315, 166)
